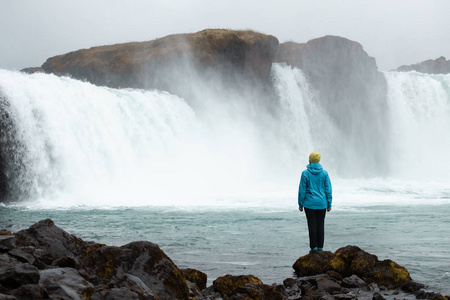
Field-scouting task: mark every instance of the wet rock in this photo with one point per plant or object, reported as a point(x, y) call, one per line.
point(29, 292)
point(46, 236)
point(325, 283)
point(142, 259)
point(312, 264)
point(378, 296)
point(15, 275)
point(116, 294)
point(65, 283)
point(254, 291)
point(7, 297)
point(7, 240)
point(137, 286)
point(196, 276)
point(351, 260)
point(226, 284)
point(24, 255)
point(353, 282)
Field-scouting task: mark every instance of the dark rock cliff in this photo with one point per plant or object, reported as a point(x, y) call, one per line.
point(432, 66)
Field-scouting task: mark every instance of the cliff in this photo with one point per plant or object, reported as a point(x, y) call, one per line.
point(351, 90)
point(432, 66)
point(163, 63)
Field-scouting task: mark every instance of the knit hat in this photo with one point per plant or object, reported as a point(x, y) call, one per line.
point(314, 157)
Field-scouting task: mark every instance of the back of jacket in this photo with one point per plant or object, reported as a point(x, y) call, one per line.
point(315, 188)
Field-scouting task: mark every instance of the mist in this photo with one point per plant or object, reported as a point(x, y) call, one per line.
point(394, 32)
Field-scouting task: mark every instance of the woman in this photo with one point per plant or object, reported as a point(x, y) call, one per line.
point(315, 196)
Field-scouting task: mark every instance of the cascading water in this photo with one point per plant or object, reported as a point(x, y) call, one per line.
point(90, 144)
point(420, 111)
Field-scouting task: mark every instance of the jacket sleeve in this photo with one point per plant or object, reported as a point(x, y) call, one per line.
point(302, 191)
point(328, 191)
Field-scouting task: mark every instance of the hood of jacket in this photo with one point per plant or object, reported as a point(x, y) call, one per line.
point(314, 168)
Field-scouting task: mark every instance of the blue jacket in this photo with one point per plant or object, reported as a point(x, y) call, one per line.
point(314, 191)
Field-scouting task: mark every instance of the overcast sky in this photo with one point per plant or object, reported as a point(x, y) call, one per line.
point(395, 32)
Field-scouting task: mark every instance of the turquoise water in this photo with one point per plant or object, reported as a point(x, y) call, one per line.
point(264, 242)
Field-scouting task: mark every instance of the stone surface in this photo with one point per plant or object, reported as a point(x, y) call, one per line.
point(226, 284)
point(432, 66)
point(162, 62)
point(196, 276)
point(54, 241)
point(141, 270)
point(65, 283)
point(7, 241)
point(351, 260)
point(142, 259)
point(28, 292)
point(15, 275)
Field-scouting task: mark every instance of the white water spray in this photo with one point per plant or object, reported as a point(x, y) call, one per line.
point(90, 145)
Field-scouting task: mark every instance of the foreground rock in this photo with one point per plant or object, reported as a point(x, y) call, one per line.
point(165, 62)
point(431, 66)
point(45, 262)
point(351, 260)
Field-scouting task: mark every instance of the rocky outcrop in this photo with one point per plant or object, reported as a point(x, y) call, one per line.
point(46, 262)
point(432, 66)
point(351, 260)
point(167, 63)
point(352, 93)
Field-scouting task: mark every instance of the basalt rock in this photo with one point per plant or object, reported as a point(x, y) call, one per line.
point(351, 260)
point(144, 260)
point(432, 66)
point(165, 62)
point(228, 283)
point(196, 276)
point(54, 242)
point(45, 262)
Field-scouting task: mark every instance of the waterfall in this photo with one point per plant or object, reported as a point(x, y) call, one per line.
point(71, 142)
point(420, 115)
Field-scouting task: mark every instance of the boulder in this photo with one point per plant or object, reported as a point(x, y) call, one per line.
point(7, 240)
point(432, 66)
point(163, 62)
point(226, 284)
point(351, 92)
point(256, 292)
point(65, 283)
point(14, 275)
point(196, 276)
point(351, 260)
point(29, 292)
point(54, 241)
point(141, 259)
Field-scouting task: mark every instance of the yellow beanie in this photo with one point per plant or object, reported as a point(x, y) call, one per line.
point(314, 157)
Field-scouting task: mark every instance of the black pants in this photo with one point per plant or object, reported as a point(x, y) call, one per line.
point(316, 226)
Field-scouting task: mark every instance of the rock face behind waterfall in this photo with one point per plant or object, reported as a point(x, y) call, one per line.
point(432, 66)
point(46, 262)
point(167, 62)
point(351, 91)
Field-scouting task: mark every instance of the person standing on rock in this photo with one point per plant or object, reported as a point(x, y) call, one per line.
point(315, 197)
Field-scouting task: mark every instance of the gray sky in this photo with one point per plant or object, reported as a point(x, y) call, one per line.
point(395, 32)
